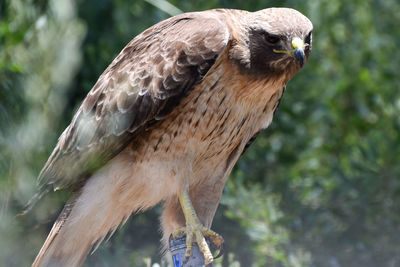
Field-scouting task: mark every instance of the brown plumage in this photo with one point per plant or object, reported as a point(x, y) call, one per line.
point(175, 109)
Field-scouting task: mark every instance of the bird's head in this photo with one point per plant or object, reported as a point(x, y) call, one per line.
point(275, 40)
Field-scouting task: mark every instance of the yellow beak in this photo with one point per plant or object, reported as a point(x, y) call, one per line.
point(297, 43)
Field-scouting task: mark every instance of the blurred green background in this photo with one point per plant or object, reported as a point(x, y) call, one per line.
point(320, 187)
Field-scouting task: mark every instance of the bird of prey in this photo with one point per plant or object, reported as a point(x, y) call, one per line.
point(166, 122)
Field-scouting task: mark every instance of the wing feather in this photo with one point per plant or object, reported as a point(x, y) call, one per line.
point(145, 82)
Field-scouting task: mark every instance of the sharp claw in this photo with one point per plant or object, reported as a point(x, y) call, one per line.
point(220, 252)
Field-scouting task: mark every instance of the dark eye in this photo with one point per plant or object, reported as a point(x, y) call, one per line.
point(271, 39)
point(308, 38)
point(308, 43)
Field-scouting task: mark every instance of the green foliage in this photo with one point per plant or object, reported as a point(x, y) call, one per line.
point(320, 187)
point(332, 151)
point(39, 56)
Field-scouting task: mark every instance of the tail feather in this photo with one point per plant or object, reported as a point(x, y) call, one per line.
point(105, 201)
point(52, 252)
point(72, 236)
point(40, 258)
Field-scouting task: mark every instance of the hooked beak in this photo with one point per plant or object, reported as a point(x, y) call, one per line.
point(298, 54)
point(297, 51)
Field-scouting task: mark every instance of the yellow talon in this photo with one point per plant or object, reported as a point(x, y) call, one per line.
point(195, 231)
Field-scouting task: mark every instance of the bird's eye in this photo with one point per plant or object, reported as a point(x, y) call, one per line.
point(308, 38)
point(271, 39)
point(308, 43)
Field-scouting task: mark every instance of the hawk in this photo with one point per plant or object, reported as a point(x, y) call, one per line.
point(166, 122)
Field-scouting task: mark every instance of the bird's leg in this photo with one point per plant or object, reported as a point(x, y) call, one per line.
point(195, 231)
